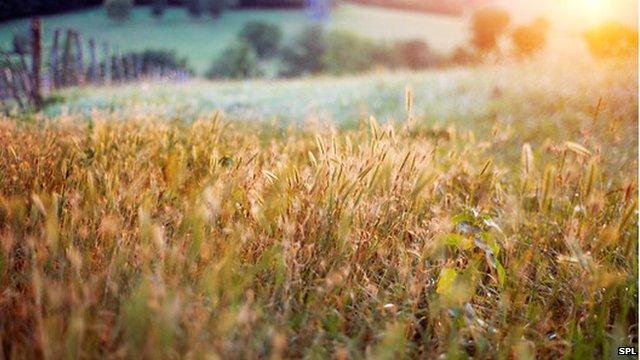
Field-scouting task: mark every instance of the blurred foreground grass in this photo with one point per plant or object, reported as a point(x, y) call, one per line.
point(494, 218)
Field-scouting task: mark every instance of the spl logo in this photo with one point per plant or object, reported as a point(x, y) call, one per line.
point(627, 351)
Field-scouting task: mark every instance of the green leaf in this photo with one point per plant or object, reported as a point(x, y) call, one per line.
point(458, 241)
point(448, 276)
point(501, 273)
point(463, 217)
point(491, 242)
point(452, 239)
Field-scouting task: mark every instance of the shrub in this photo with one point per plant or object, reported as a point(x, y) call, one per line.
point(416, 54)
point(118, 10)
point(463, 56)
point(347, 53)
point(167, 59)
point(341, 52)
point(612, 40)
point(304, 54)
point(487, 25)
point(158, 8)
point(265, 38)
point(237, 62)
point(215, 7)
point(386, 54)
point(528, 39)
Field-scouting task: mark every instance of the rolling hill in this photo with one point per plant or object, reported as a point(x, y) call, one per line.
point(202, 39)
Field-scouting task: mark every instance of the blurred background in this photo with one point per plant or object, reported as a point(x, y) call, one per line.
point(102, 42)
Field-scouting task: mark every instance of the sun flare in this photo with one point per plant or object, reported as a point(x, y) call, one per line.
point(595, 8)
point(593, 11)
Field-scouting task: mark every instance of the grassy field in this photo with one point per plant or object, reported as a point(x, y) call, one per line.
point(461, 96)
point(495, 217)
point(201, 40)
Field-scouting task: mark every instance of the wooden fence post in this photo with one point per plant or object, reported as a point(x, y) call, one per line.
point(36, 62)
point(119, 66)
point(106, 74)
point(131, 67)
point(13, 80)
point(22, 75)
point(93, 66)
point(4, 88)
point(22, 53)
point(14, 86)
point(55, 60)
point(138, 66)
point(126, 61)
point(79, 57)
point(67, 61)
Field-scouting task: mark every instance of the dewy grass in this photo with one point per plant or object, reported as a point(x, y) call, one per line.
point(154, 238)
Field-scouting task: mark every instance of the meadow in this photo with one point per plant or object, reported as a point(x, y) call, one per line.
point(460, 95)
point(486, 213)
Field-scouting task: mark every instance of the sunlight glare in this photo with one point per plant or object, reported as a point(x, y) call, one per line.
point(591, 11)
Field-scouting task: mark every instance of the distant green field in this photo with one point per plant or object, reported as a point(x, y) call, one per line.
point(520, 92)
point(201, 40)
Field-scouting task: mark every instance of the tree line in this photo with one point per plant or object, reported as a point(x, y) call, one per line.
point(315, 51)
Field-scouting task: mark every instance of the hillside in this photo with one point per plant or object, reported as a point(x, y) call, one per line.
point(451, 95)
point(201, 40)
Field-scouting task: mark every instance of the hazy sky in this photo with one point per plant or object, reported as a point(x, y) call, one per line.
point(573, 14)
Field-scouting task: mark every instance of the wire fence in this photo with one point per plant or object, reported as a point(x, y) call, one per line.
point(27, 78)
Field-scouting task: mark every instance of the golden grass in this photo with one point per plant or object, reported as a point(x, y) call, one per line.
point(151, 238)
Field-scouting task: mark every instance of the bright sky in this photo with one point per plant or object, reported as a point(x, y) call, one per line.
point(573, 14)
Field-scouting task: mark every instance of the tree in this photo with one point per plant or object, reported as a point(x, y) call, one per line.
point(612, 39)
point(347, 53)
point(195, 7)
point(118, 10)
point(463, 56)
point(158, 8)
point(151, 59)
point(265, 38)
point(488, 24)
point(215, 7)
point(385, 54)
point(416, 54)
point(531, 38)
point(237, 62)
point(304, 54)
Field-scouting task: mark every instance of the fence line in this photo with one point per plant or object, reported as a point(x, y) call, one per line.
point(69, 64)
